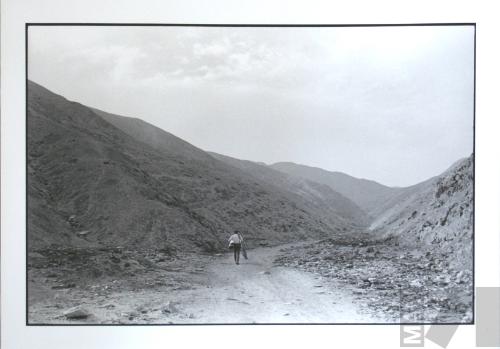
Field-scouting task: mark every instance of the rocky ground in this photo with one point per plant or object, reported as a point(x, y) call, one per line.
point(126, 287)
point(347, 279)
point(107, 285)
point(408, 285)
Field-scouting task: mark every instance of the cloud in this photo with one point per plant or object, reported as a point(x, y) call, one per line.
point(394, 104)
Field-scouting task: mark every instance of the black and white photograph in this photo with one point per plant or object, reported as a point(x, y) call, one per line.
point(224, 174)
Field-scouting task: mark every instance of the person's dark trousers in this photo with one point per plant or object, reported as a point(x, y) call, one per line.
point(237, 248)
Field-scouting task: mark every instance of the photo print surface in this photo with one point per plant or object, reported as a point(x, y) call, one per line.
point(191, 174)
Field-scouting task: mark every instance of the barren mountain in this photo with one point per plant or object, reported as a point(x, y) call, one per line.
point(320, 198)
point(155, 137)
point(438, 214)
point(367, 194)
point(97, 179)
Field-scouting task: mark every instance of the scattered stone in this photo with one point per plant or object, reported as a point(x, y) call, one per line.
point(461, 277)
point(62, 287)
point(422, 282)
point(76, 313)
point(169, 307)
point(33, 255)
point(416, 283)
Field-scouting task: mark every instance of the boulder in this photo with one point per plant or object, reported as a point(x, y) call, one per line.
point(76, 313)
point(461, 277)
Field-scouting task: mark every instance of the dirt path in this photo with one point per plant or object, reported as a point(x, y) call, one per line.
point(257, 292)
point(213, 290)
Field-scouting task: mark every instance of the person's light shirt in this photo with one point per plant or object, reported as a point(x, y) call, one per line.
point(235, 239)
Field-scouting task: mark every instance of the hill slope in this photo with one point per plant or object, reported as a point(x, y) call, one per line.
point(438, 214)
point(318, 200)
point(155, 137)
point(367, 194)
point(98, 179)
point(319, 197)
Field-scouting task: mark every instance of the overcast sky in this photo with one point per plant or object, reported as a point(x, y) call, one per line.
point(392, 104)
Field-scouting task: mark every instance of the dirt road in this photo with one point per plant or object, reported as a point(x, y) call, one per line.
point(218, 291)
point(257, 292)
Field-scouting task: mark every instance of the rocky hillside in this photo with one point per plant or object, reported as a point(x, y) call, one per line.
point(367, 194)
point(417, 264)
point(439, 214)
point(98, 179)
point(156, 138)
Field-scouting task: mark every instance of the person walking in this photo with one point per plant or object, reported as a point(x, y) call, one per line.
point(235, 242)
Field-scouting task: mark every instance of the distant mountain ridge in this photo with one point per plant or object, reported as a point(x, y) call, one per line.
point(324, 198)
point(367, 194)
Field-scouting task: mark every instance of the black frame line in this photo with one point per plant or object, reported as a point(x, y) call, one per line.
point(121, 24)
point(208, 25)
